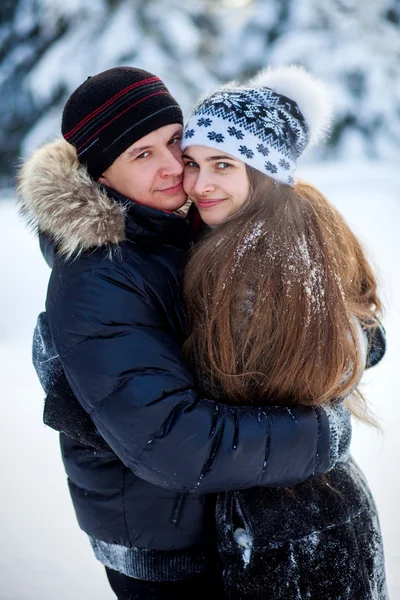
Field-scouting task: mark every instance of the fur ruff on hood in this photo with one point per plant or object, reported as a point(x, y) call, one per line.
point(57, 197)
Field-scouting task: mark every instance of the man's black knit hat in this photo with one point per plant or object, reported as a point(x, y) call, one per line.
point(112, 110)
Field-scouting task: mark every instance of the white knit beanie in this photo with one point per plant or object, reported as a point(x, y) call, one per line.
point(267, 123)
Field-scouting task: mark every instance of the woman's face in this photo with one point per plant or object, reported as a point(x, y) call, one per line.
point(216, 182)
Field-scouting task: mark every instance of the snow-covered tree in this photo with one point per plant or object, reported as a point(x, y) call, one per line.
point(48, 47)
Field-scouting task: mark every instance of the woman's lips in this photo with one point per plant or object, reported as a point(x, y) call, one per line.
point(210, 203)
point(172, 190)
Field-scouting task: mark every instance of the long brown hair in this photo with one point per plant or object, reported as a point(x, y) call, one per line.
point(274, 295)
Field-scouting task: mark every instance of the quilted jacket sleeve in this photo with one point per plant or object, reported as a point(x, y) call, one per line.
point(376, 338)
point(128, 373)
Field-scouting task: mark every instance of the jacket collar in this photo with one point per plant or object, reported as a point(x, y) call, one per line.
point(58, 197)
point(143, 223)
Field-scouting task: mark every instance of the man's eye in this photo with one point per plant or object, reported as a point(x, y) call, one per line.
point(144, 154)
point(175, 139)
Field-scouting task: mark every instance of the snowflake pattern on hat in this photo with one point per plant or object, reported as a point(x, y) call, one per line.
point(262, 149)
point(246, 152)
point(215, 137)
point(189, 133)
point(237, 133)
point(204, 122)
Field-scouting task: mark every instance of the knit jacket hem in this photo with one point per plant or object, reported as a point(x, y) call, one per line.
point(150, 565)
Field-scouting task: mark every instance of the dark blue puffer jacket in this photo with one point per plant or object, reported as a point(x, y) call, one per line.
point(117, 321)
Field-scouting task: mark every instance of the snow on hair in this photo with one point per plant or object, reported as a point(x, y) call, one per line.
point(310, 94)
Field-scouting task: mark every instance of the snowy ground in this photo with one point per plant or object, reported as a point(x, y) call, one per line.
point(43, 553)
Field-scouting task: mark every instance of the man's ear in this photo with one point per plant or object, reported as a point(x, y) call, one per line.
point(103, 180)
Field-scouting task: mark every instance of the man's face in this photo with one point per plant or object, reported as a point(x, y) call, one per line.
point(150, 171)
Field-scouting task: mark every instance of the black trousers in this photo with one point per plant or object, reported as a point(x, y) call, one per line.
point(128, 588)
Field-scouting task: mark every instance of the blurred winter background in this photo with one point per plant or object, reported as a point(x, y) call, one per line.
point(47, 48)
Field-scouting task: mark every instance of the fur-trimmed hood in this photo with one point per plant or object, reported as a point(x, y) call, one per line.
point(57, 196)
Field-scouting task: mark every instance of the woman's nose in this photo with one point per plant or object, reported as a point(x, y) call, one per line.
point(203, 185)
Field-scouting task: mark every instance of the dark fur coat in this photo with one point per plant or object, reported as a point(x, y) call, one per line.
point(320, 539)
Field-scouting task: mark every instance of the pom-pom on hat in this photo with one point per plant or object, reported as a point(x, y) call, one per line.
point(112, 110)
point(267, 123)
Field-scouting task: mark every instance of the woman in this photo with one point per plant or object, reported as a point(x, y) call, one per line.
point(275, 295)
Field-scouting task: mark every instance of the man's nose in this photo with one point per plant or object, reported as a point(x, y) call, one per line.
point(172, 165)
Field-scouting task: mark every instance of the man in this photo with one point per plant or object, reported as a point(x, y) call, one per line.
point(105, 197)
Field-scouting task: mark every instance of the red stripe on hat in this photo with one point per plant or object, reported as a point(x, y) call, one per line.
point(118, 115)
point(110, 101)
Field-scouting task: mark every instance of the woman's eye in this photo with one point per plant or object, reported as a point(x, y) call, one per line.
point(191, 164)
point(223, 166)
